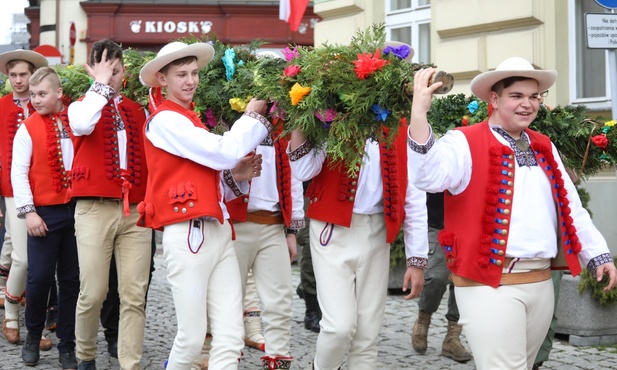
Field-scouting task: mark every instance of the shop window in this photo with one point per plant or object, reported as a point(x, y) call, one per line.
point(409, 21)
point(589, 76)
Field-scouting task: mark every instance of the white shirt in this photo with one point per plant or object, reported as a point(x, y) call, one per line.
point(176, 134)
point(22, 159)
point(533, 222)
point(369, 195)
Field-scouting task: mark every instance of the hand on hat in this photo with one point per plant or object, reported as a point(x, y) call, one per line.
point(257, 106)
point(101, 72)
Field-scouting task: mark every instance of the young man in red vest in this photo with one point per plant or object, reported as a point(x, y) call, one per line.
point(108, 181)
point(509, 211)
point(353, 221)
point(18, 65)
point(42, 159)
point(185, 197)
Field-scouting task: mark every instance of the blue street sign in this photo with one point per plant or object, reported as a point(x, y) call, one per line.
point(609, 4)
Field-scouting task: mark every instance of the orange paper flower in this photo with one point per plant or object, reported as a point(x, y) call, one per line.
point(297, 93)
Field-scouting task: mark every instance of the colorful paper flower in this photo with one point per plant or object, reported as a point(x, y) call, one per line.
point(238, 104)
point(367, 64)
point(327, 115)
point(292, 70)
point(600, 141)
point(610, 123)
point(228, 61)
point(473, 106)
point(276, 111)
point(465, 121)
point(210, 118)
point(290, 54)
point(400, 52)
point(297, 93)
point(381, 114)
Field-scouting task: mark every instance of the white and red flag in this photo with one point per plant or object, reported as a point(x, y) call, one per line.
point(292, 11)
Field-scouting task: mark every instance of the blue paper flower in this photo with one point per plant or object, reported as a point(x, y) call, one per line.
point(228, 62)
point(473, 106)
point(400, 52)
point(381, 114)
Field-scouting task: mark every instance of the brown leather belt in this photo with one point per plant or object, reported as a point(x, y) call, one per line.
point(264, 218)
point(507, 279)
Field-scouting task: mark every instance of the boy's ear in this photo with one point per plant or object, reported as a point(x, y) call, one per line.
point(161, 79)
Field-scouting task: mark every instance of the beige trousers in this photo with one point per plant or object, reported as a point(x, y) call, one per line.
point(17, 243)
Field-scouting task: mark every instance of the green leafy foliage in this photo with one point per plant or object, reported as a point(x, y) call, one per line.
point(596, 288)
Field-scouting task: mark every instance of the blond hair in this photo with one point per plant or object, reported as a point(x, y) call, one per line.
point(42, 73)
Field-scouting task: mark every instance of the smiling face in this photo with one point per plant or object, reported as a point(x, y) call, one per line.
point(515, 106)
point(180, 81)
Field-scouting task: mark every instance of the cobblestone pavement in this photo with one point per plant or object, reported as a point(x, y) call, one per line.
point(395, 347)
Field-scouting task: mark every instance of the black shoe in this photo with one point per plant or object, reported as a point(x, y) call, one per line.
point(537, 366)
point(312, 316)
point(30, 350)
point(67, 360)
point(87, 365)
point(112, 348)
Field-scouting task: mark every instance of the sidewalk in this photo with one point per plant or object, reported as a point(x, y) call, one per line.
point(395, 346)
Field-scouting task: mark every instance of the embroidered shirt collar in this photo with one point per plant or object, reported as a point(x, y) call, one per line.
point(522, 149)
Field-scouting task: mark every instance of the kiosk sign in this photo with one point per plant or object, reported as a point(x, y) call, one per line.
point(601, 29)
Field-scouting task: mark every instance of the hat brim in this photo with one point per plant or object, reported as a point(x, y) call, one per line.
point(397, 44)
point(481, 84)
point(202, 51)
point(30, 56)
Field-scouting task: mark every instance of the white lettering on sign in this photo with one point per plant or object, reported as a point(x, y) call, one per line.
point(170, 26)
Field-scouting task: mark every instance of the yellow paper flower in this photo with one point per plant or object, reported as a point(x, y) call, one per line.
point(297, 93)
point(238, 104)
point(610, 123)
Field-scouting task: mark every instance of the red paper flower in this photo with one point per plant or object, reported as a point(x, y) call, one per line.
point(465, 121)
point(600, 141)
point(368, 63)
point(292, 70)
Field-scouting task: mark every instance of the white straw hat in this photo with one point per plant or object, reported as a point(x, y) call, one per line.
point(512, 67)
point(174, 51)
point(20, 54)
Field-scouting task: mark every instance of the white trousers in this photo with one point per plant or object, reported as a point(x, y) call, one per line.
point(506, 326)
point(351, 269)
point(17, 242)
point(263, 248)
point(203, 274)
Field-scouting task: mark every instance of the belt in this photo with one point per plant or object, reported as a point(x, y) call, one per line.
point(264, 218)
point(100, 199)
point(507, 279)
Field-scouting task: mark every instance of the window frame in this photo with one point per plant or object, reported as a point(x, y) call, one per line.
point(409, 17)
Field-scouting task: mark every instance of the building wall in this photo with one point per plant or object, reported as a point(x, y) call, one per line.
point(62, 14)
point(341, 19)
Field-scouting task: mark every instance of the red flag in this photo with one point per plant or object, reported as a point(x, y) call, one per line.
point(292, 11)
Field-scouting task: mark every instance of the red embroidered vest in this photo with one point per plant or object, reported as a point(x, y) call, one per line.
point(477, 221)
point(332, 192)
point(49, 181)
point(237, 207)
point(178, 189)
point(96, 167)
point(11, 117)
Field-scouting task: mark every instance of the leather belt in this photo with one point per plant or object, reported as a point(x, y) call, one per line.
point(264, 218)
point(100, 199)
point(507, 279)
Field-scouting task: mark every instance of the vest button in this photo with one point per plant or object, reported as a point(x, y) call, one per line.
point(510, 183)
point(315, 199)
point(352, 191)
point(498, 263)
point(506, 211)
point(354, 183)
point(191, 204)
point(510, 156)
point(245, 200)
point(175, 209)
point(508, 192)
point(510, 174)
point(504, 222)
point(183, 210)
point(504, 232)
point(500, 253)
point(351, 199)
point(508, 202)
point(502, 242)
point(510, 165)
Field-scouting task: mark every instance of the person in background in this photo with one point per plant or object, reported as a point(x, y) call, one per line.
point(108, 180)
point(15, 108)
point(436, 282)
point(41, 188)
point(185, 194)
point(509, 212)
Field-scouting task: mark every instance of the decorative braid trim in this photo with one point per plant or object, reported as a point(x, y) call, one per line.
point(21, 211)
point(252, 313)
point(419, 262)
point(422, 148)
point(297, 224)
point(300, 151)
point(60, 178)
point(261, 119)
point(597, 261)
point(133, 147)
point(276, 362)
point(390, 180)
point(228, 177)
point(283, 177)
point(13, 124)
point(105, 91)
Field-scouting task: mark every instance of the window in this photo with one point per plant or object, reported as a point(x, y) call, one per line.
point(589, 74)
point(409, 21)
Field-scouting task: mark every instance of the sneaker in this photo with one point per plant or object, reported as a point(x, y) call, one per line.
point(87, 365)
point(30, 350)
point(67, 360)
point(52, 319)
